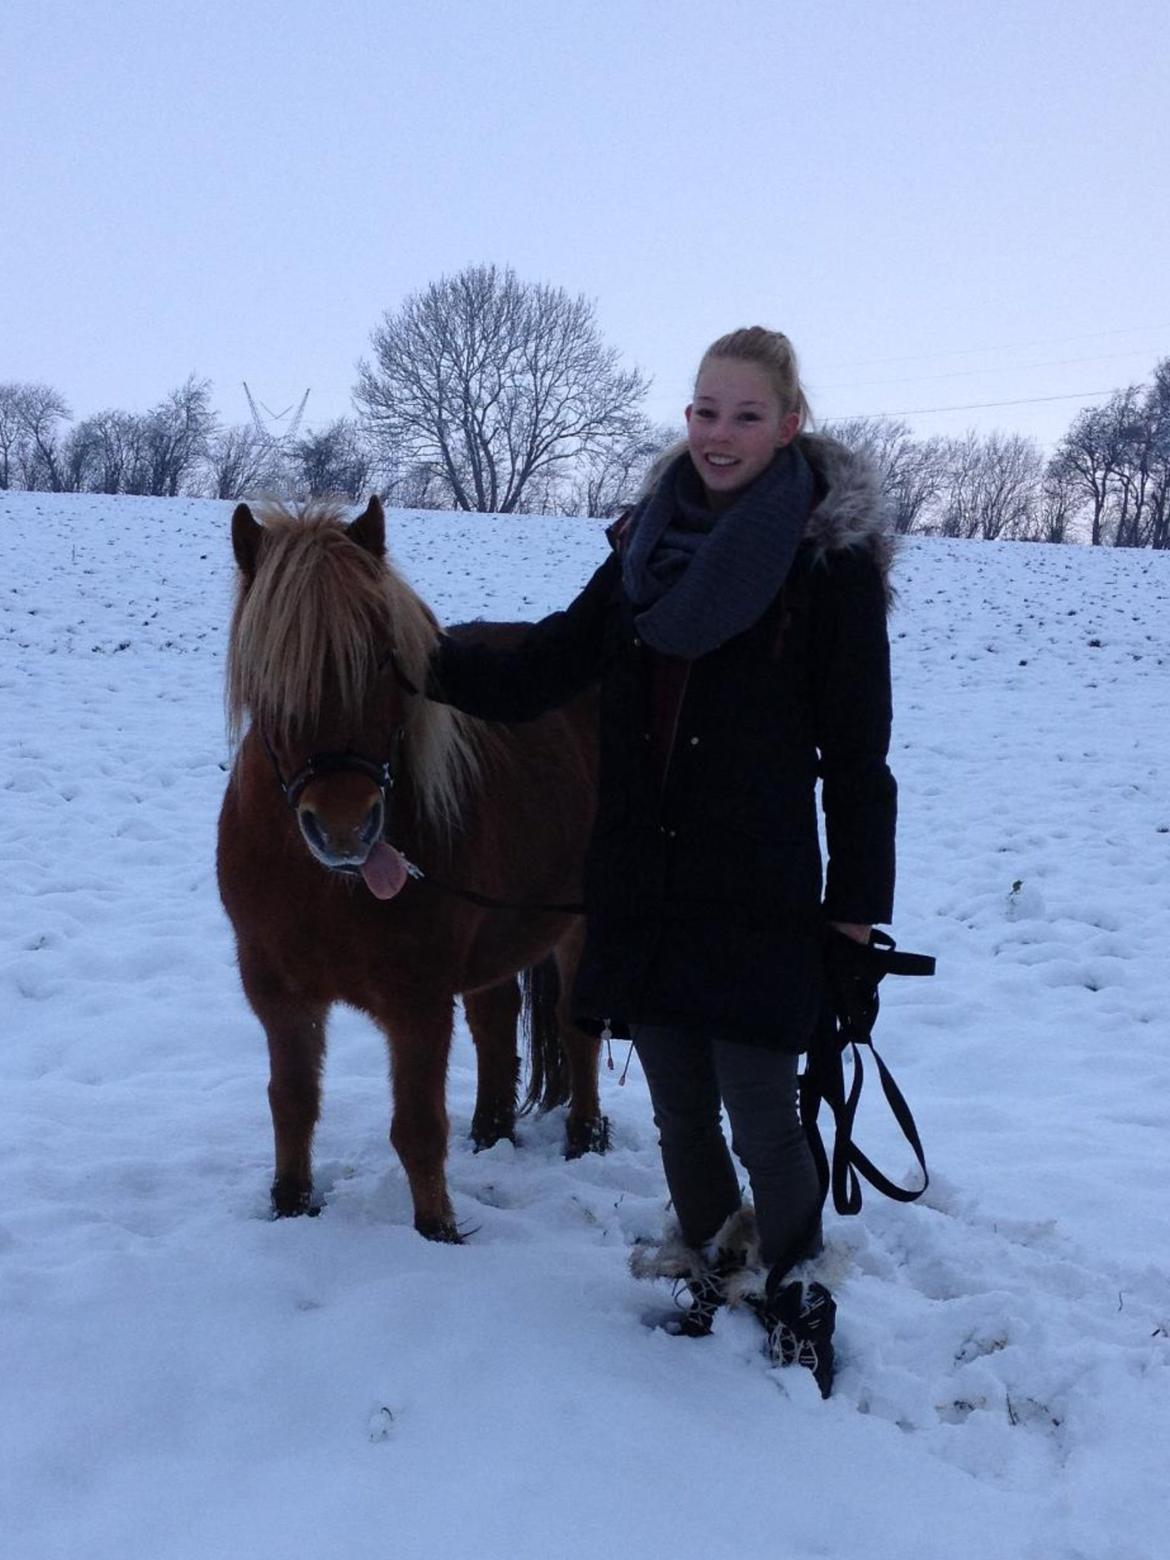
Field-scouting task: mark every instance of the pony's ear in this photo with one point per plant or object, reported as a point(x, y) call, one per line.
point(247, 534)
point(369, 529)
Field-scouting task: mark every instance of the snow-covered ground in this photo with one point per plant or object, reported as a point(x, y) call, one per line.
point(180, 1377)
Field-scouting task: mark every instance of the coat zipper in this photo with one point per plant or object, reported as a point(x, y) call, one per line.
point(670, 746)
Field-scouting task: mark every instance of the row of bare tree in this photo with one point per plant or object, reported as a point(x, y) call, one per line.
point(1107, 482)
point(161, 452)
point(483, 392)
point(179, 446)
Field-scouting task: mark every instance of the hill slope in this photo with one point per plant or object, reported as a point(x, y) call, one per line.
point(184, 1378)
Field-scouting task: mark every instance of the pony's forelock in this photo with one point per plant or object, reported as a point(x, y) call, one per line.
point(316, 620)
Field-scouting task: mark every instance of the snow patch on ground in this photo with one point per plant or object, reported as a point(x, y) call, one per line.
point(183, 1377)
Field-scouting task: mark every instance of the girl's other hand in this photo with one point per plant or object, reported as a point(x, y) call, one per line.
point(853, 929)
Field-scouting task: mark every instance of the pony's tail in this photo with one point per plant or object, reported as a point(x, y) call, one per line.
point(548, 1080)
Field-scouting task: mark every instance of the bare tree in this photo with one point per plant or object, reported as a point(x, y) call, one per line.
point(238, 463)
point(608, 479)
point(1158, 415)
point(495, 384)
point(913, 471)
point(333, 461)
point(12, 433)
point(1118, 458)
point(178, 433)
point(414, 486)
point(1139, 493)
point(993, 486)
point(958, 512)
point(38, 411)
point(1094, 452)
point(1013, 480)
point(77, 459)
point(105, 453)
point(1060, 502)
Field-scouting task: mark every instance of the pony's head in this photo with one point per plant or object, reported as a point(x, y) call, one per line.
point(327, 644)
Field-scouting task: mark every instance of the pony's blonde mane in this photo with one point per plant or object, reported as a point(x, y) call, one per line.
point(317, 621)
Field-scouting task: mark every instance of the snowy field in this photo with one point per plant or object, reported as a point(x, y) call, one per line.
point(183, 1379)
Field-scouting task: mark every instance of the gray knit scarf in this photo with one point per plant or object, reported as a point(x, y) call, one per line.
point(697, 578)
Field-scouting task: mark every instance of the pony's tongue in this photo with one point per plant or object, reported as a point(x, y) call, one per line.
point(384, 871)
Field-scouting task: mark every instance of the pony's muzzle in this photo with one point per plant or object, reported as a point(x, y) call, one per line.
point(342, 841)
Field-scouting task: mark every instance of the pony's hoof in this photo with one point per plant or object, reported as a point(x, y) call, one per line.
point(486, 1131)
point(290, 1200)
point(442, 1230)
point(590, 1136)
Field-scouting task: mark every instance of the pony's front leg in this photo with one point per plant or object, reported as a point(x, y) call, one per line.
point(296, 1051)
point(419, 1048)
point(492, 1017)
point(586, 1129)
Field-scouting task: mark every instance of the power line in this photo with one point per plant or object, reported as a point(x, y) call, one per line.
point(974, 406)
point(966, 373)
point(1011, 346)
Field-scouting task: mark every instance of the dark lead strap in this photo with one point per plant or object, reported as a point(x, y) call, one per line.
point(485, 900)
point(824, 1079)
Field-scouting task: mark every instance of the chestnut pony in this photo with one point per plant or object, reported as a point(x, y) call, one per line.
point(344, 777)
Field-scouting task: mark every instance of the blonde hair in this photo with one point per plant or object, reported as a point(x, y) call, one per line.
point(771, 351)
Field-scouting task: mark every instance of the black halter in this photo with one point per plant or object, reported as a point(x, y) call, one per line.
point(334, 763)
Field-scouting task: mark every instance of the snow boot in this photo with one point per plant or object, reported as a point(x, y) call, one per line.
point(800, 1318)
point(707, 1291)
point(702, 1277)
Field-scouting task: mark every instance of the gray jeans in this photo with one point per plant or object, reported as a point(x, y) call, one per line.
point(689, 1075)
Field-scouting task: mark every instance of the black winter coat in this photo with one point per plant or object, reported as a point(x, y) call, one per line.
point(703, 889)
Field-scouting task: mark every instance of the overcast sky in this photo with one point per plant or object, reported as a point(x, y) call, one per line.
point(942, 203)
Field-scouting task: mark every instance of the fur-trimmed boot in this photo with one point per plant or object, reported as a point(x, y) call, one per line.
point(704, 1278)
point(800, 1317)
point(800, 1314)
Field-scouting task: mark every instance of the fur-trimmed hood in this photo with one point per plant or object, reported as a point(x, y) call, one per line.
point(850, 511)
point(853, 512)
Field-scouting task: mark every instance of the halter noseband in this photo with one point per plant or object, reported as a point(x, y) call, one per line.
point(335, 763)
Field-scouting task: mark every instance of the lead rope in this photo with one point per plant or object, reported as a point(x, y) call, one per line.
point(607, 1037)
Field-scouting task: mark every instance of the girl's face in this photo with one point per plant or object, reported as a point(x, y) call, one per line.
point(734, 427)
